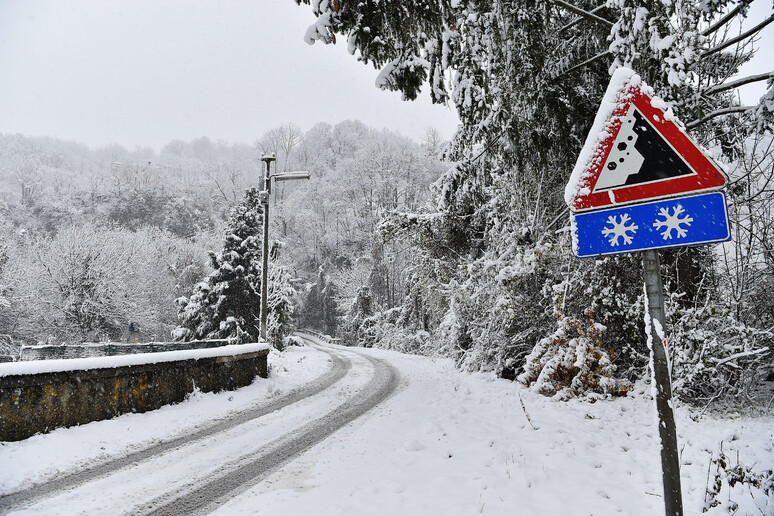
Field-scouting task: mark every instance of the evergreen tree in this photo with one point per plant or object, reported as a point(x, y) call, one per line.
point(357, 324)
point(227, 303)
point(320, 307)
point(280, 299)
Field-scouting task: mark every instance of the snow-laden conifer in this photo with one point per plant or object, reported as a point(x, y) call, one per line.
point(227, 303)
point(321, 310)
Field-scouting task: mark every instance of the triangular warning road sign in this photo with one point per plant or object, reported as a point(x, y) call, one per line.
point(635, 152)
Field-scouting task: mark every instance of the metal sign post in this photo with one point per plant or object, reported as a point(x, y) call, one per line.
point(642, 184)
point(670, 459)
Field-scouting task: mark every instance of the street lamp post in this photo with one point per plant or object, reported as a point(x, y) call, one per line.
point(264, 197)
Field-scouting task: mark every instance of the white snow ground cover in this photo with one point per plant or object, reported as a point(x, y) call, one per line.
point(446, 443)
point(45, 456)
point(451, 443)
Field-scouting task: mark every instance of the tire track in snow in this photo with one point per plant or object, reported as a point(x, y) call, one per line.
point(15, 500)
point(244, 473)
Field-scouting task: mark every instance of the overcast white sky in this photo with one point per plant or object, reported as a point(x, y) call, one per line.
point(144, 72)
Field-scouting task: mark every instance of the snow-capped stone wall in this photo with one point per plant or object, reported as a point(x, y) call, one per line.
point(43, 395)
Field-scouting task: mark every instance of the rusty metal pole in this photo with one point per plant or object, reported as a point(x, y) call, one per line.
point(265, 271)
point(670, 459)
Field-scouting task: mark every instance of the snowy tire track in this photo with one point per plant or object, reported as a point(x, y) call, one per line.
point(148, 481)
point(340, 366)
point(237, 477)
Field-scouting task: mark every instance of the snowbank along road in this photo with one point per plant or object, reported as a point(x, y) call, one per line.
point(197, 472)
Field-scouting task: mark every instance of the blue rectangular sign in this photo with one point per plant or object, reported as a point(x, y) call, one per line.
point(684, 221)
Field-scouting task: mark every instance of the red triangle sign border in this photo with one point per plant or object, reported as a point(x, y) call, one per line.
point(624, 91)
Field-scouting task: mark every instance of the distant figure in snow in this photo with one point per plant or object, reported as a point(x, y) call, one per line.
point(133, 333)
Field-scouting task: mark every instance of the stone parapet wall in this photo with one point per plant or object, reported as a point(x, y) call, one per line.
point(39, 396)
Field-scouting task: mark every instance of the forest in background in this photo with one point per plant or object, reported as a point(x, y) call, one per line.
point(94, 240)
point(469, 258)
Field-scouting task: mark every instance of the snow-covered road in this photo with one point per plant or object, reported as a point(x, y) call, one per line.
point(444, 443)
point(194, 472)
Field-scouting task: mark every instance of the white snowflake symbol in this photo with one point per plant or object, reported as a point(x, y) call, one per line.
point(673, 221)
point(619, 229)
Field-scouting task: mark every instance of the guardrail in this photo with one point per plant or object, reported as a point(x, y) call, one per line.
point(323, 337)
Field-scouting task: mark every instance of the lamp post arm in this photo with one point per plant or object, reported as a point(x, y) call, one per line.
point(289, 176)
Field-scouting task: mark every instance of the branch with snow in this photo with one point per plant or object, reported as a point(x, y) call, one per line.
point(719, 112)
point(580, 12)
point(739, 38)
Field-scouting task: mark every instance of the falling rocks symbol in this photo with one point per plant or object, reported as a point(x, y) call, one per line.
point(691, 220)
point(626, 164)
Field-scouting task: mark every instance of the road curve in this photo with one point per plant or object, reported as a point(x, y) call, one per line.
point(340, 366)
point(245, 469)
point(233, 479)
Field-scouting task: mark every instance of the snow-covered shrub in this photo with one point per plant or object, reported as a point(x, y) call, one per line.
point(405, 340)
point(611, 289)
point(386, 330)
point(714, 356)
point(739, 489)
point(571, 362)
point(292, 340)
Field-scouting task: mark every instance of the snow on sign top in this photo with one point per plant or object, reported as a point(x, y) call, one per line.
point(635, 152)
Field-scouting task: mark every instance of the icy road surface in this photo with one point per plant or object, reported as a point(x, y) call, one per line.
point(443, 442)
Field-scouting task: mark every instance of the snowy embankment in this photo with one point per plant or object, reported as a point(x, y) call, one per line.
point(446, 443)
